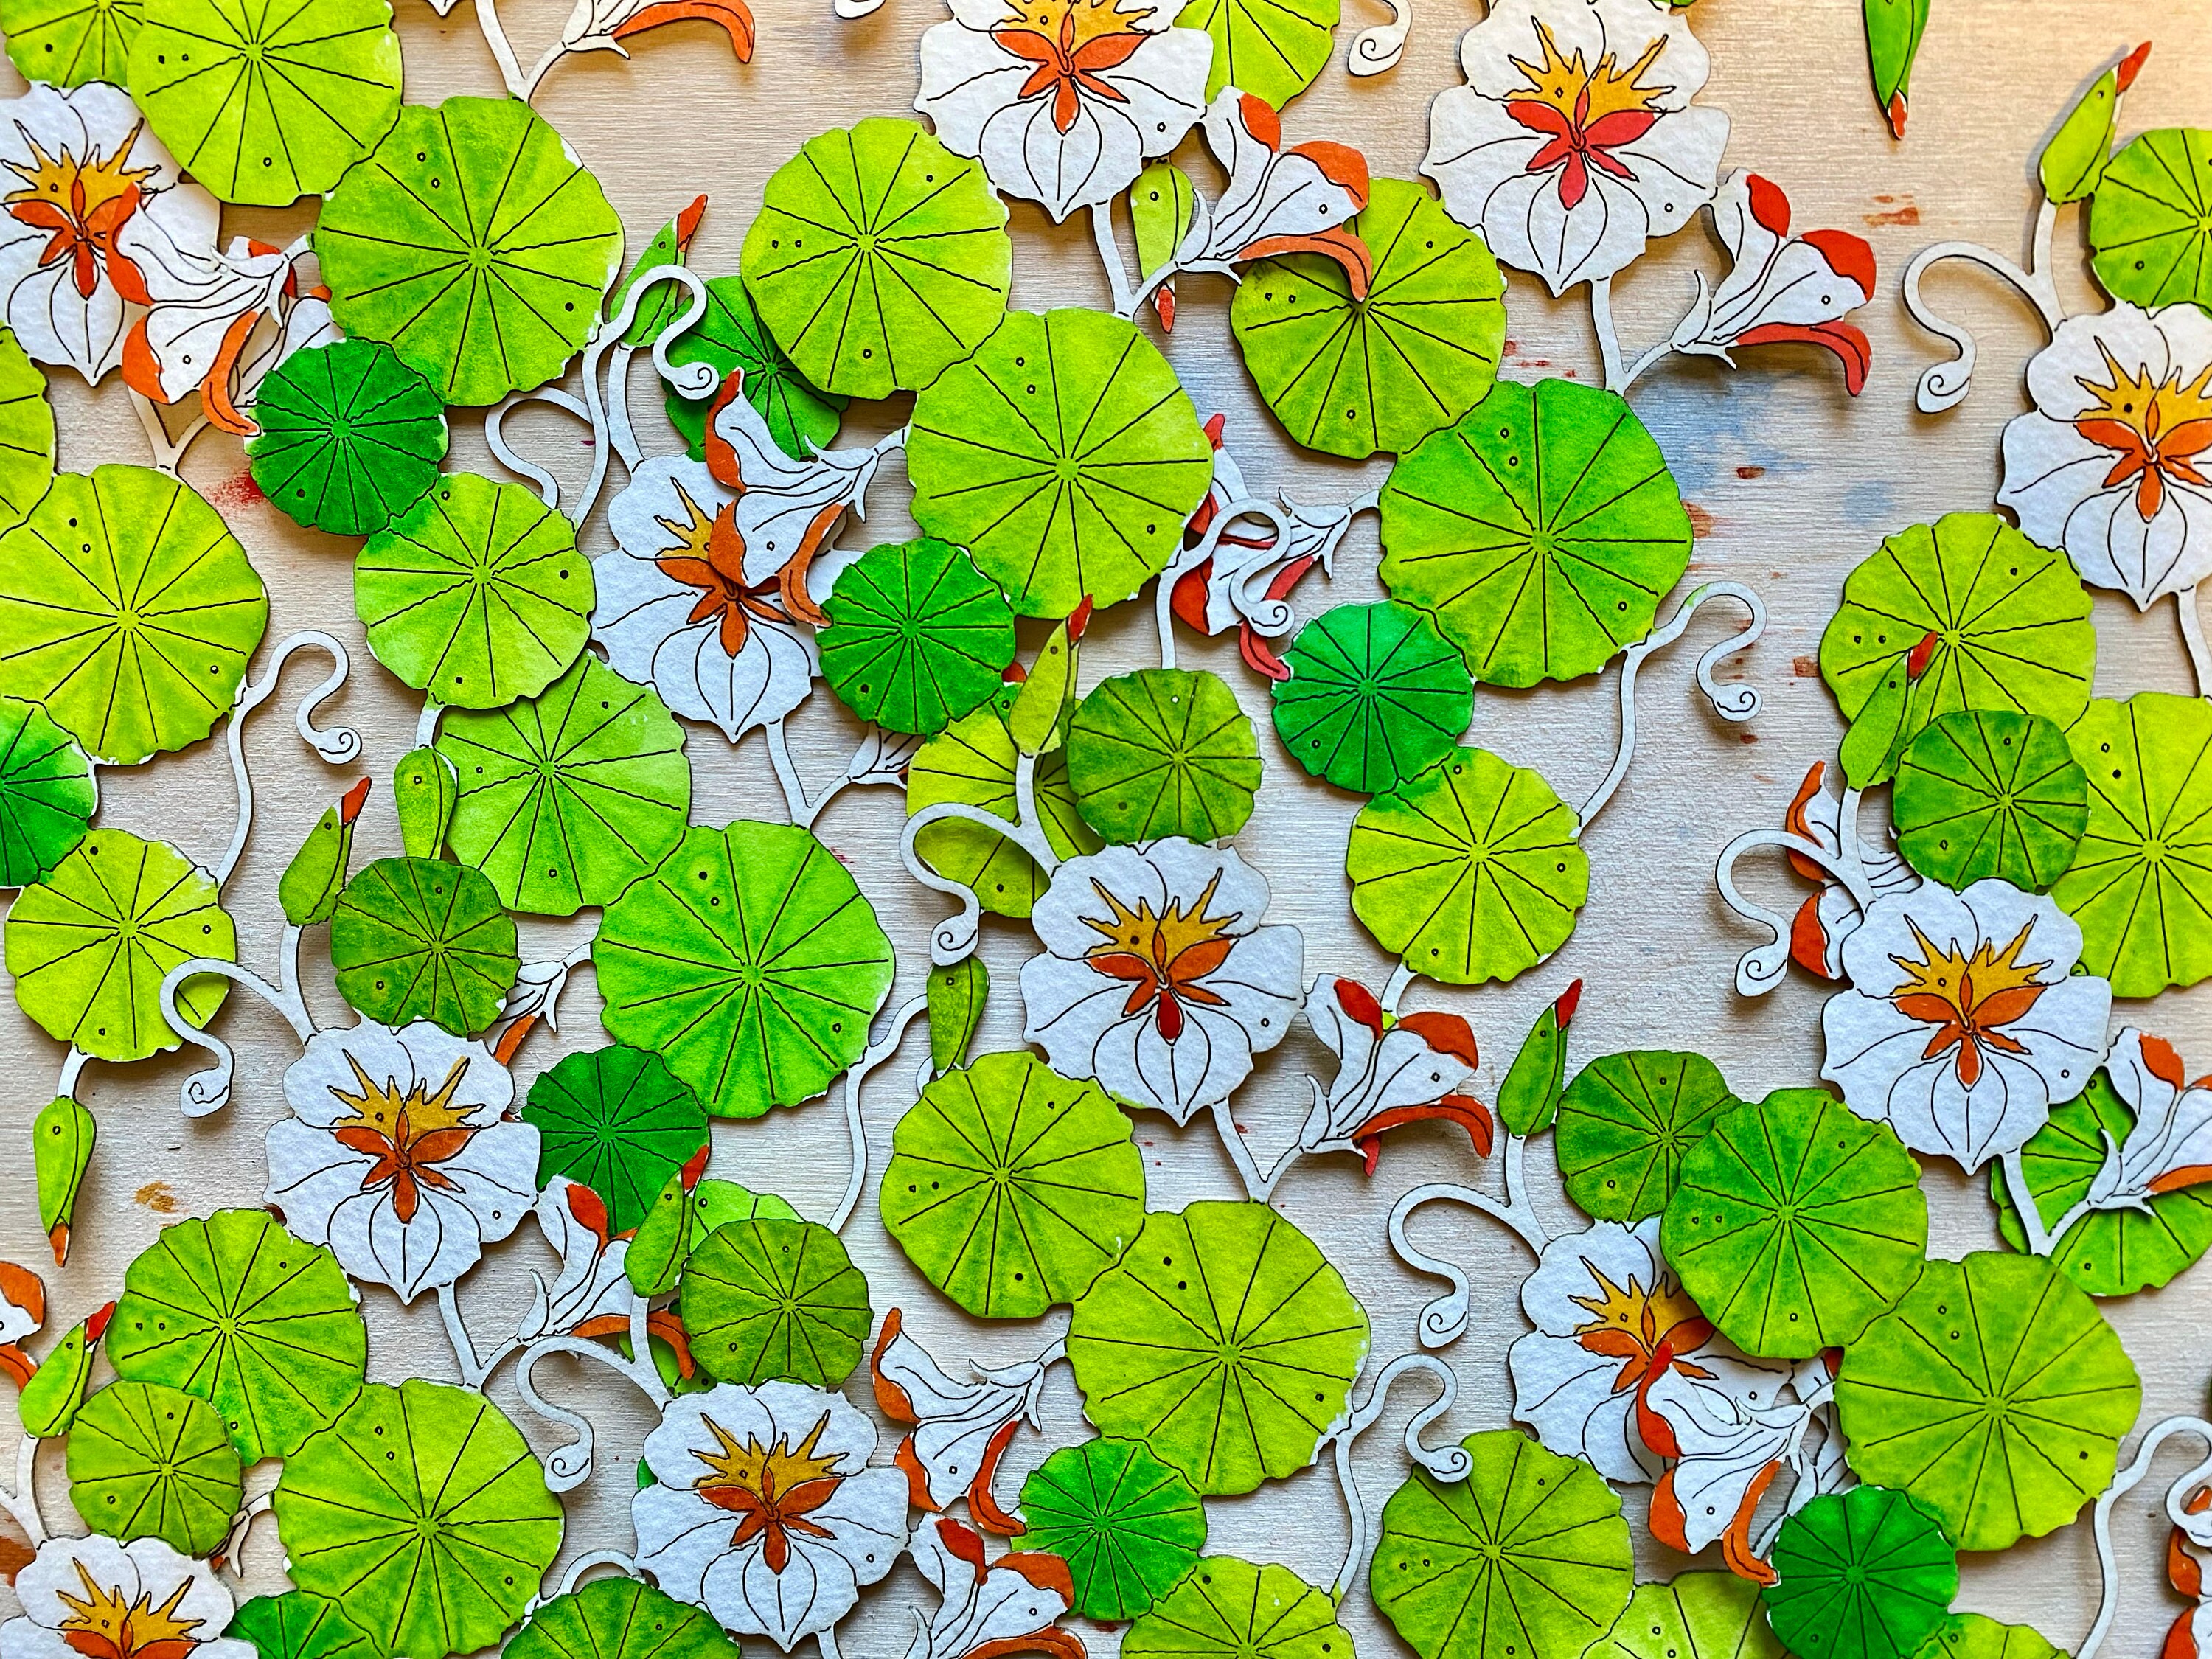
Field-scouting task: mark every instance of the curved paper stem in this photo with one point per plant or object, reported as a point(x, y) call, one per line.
point(169, 452)
point(1401, 982)
point(1377, 49)
point(1444, 1321)
point(1608, 336)
point(476, 1371)
point(1251, 507)
point(336, 747)
point(547, 486)
point(953, 940)
point(502, 53)
point(2124, 1482)
point(232, 1554)
point(2192, 638)
point(856, 1127)
point(1257, 1187)
point(570, 1466)
point(1447, 1463)
point(73, 1064)
point(1733, 703)
point(1944, 385)
point(22, 1503)
point(209, 1091)
point(1635, 370)
point(624, 1565)
point(2040, 1240)
point(1760, 969)
point(1109, 255)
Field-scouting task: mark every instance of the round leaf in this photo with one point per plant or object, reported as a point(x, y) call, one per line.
point(620, 1121)
point(1989, 793)
point(1863, 1575)
point(972, 761)
point(1975, 1636)
point(1469, 872)
point(1224, 1340)
point(350, 437)
point(1357, 377)
point(265, 101)
point(237, 1311)
point(420, 938)
point(128, 609)
point(1543, 529)
point(1796, 1224)
point(1694, 1615)
point(749, 961)
point(1161, 752)
point(67, 43)
point(620, 1619)
point(1270, 50)
point(729, 335)
point(48, 797)
point(2150, 222)
point(1128, 1526)
point(1012, 1187)
point(474, 244)
point(299, 1624)
point(1995, 1393)
point(1625, 1122)
point(878, 258)
point(680, 1219)
point(1528, 1556)
point(27, 421)
point(2140, 881)
point(568, 797)
point(1374, 695)
point(768, 1300)
point(1064, 455)
point(916, 637)
point(1225, 1608)
point(89, 945)
point(147, 1462)
point(424, 1511)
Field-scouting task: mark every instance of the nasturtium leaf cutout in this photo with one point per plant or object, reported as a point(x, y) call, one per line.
point(878, 258)
point(1528, 1557)
point(2141, 882)
point(568, 797)
point(972, 761)
point(1542, 530)
point(1985, 793)
point(67, 43)
point(48, 796)
point(1225, 1608)
point(474, 244)
point(917, 637)
point(767, 1300)
point(1271, 49)
point(1128, 1526)
point(1977, 1636)
point(800, 418)
point(1864, 1574)
point(1375, 695)
point(617, 1120)
point(620, 1619)
point(148, 1462)
point(350, 437)
point(299, 1624)
point(237, 1311)
point(1223, 1340)
point(681, 1219)
point(1469, 872)
point(1995, 1393)
point(424, 1512)
point(1692, 1615)
point(1064, 455)
point(27, 420)
point(1012, 1187)
point(749, 961)
point(1352, 376)
point(265, 101)
point(477, 595)
point(421, 938)
point(1797, 1223)
point(1161, 752)
point(89, 945)
point(2150, 222)
point(1626, 1121)
point(128, 609)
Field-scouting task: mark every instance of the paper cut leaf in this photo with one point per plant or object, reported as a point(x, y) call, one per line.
point(1893, 28)
point(1988, 793)
point(1542, 530)
point(972, 761)
point(775, 1301)
point(878, 258)
point(1694, 1615)
point(957, 995)
point(1064, 455)
point(681, 1217)
point(238, 1312)
point(62, 1137)
point(48, 797)
point(1862, 1575)
point(1625, 1125)
point(425, 789)
point(89, 945)
point(568, 797)
point(1270, 50)
point(1225, 1608)
point(1528, 1556)
point(1374, 694)
point(264, 101)
point(2074, 160)
point(1994, 1393)
point(350, 437)
point(1528, 1097)
point(1224, 1340)
point(1354, 376)
point(147, 1462)
point(474, 244)
point(1469, 872)
point(1128, 1526)
point(620, 1619)
point(129, 611)
point(298, 1624)
point(48, 1404)
point(2148, 238)
point(730, 336)
point(67, 43)
point(618, 1120)
point(1043, 705)
point(421, 938)
point(1012, 1187)
point(27, 422)
point(1161, 752)
point(1162, 207)
point(1796, 1224)
point(308, 889)
point(423, 1511)
point(662, 303)
point(1976, 1636)
point(917, 637)
point(2140, 881)
point(749, 961)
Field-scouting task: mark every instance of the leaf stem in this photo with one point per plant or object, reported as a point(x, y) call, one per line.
point(1109, 255)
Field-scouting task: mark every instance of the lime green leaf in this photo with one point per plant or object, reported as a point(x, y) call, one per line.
point(149, 1462)
point(620, 1619)
point(27, 421)
point(1893, 28)
point(1273, 51)
point(62, 1137)
point(1879, 734)
point(681, 1217)
point(2150, 224)
point(49, 1402)
point(350, 437)
point(48, 796)
point(425, 789)
point(1987, 793)
point(972, 761)
point(1864, 1575)
point(1036, 713)
point(1975, 1636)
point(916, 637)
point(618, 1120)
point(1694, 1615)
point(768, 1300)
point(664, 302)
point(1161, 752)
point(1128, 1526)
point(1374, 695)
point(956, 997)
point(729, 335)
point(1162, 207)
point(420, 938)
point(69, 42)
point(1225, 1608)
point(1625, 1123)
point(1528, 1099)
point(299, 1624)
point(2073, 162)
point(309, 888)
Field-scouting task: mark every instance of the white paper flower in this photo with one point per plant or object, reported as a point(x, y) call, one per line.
point(1156, 977)
point(93, 1596)
point(960, 1430)
point(2169, 1145)
point(592, 1295)
point(1729, 1441)
point(1278, 200)
point(1388, 1075)
point(1063, 100)
point(1575, 142)
point(2110, 462)
point(399, 1154)
point(1830, 916)
point(787, 511)
point(22, 1313)
point(1964, 1022)
point(986, 1608)
point(764, 1510)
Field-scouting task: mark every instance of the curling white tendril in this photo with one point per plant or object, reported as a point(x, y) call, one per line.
point(1447, 1463)
point(335, 746)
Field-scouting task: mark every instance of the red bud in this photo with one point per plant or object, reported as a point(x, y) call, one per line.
point(1569, 999)
point(1079, 619)
point(2131, 65)
point(1916, 665)
point(350, 803)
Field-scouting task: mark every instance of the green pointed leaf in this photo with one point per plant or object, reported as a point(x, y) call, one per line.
point(48, 796)
point(1375, 695)
point(1272, 50)
point(420, 938)
point(1225, 1608)
point(1976, 1636)
point(1625, 1125)
point(768, 1300)
point(351, 438)
point(680, 1218)
point(149, 1462)
point(618, 1120)
point(1893, 28)
point(664, 302)
point(1162, 207)
point(49, 1402)
point(1038, 711)
point(69, 42)
point(299, 1624)
point(972, 761)
point(1128, 1526)
point(27, 420)
point(917, 637)
point(956, 997)
point(425, 789)
point(729, 335)
point(2150, 224)
point(1878, 736)
point(1161, 752)
point(1985, 793)
point(1694, 1615)
point(1864, 1575)
point(62, 1137)
point(2074, 160)
point(620, 1619)
point(1528, 1099)
point(309, 888)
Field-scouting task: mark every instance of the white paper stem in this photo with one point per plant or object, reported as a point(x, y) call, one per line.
point(1109, 255)
point(1609, 337)
point(1401, 981)
point(169, 452)
point(1943, 386)
point(476, 1371)
point(21, 1502)
point(1760, 969)
point(1378, 49)
point(1444, 1321)
point(1257, 1187)
point(73, 1064)
point(856, 1127)
point(336, 747)
point(502, 53)
point(208, 1091)
point(2192, 640)
point(953, 940)
point(2124, 1482)
point(1447, 1463)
